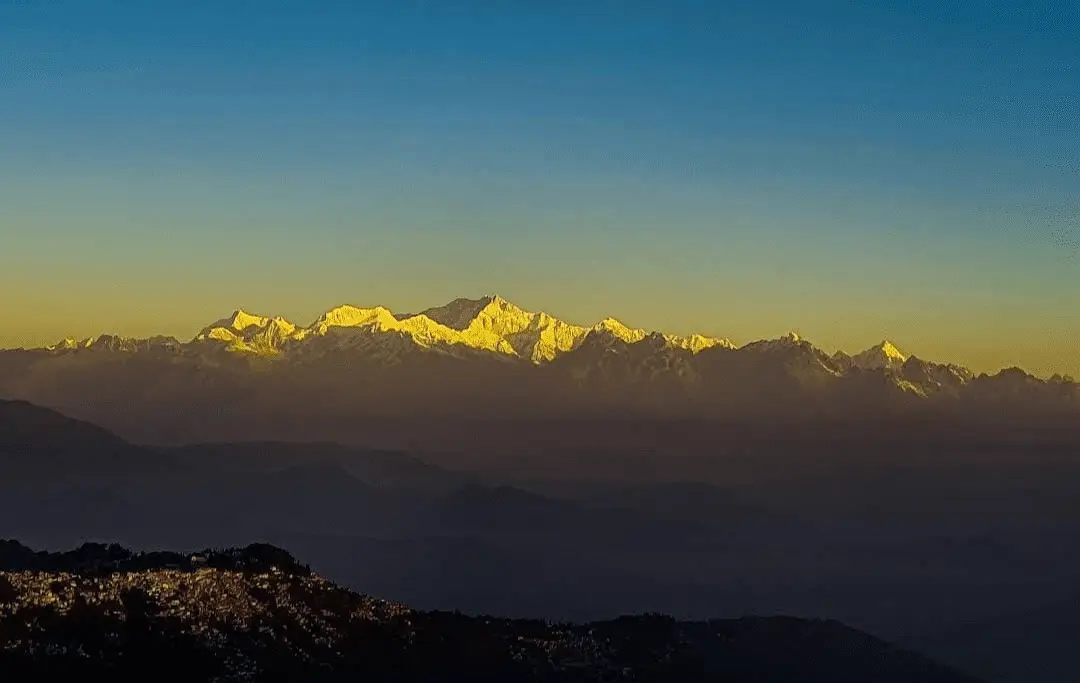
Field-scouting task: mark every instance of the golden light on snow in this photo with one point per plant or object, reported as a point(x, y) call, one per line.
point(490, 324)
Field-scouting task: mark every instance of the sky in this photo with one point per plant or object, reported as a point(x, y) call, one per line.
point(851, 171)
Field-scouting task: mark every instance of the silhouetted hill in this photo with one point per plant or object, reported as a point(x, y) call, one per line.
point(256, 614)
point(101, 559)
point(25, 427)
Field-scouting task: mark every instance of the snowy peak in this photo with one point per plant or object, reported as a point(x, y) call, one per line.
point(620, 331)
point(889, 350)
point(422, 329)
point(501, 317)
point(243, 331)
point(791, 340)
point(428, 332)
point(489, 311)
point(70, 344)
point(934, 376)
point(459, 313)
point(237, 322)
point(696, 342)
point(494, 323)
point(240, 320)
point(352, 316)
point(884, 355)
point(112, 342)
point(492, 313)
point(546, 337)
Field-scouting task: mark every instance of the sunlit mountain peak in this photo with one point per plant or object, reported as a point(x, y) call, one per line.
point(620, 331)
point(353, 316)
point(243, 331)
point(697, 342)
point(883, 355)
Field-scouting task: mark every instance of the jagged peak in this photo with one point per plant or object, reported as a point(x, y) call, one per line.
point(422, 324)
point(244, 331)
point(348, 315)
point(882, 355)
point(498, 306)
point(890, 350)
point(791, 341)
point(696, 342)
point(462, 314)
point(113, 342)
point(71, 343)
point(620, 331)
point(914, 362)
point(498, 316)
point(236, 322)
point(1014, 372)
point(240, 320)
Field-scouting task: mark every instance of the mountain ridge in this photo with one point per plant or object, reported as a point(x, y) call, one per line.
point(490, 358)
point(489, 323)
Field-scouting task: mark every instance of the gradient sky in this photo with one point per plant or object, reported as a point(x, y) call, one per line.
point(850, 170)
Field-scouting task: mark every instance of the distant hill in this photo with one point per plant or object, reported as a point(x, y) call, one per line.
point(255, 614)
point(27, 427)
point(1034, 645)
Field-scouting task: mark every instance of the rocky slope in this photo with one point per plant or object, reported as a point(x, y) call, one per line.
point(256, 614)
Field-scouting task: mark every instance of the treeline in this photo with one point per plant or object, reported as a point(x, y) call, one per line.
point(91, 558)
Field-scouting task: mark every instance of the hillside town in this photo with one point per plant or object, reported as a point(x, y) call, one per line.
point(256, 614)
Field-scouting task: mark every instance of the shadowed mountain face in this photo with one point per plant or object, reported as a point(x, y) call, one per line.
point(257, 614)
point(250, 377)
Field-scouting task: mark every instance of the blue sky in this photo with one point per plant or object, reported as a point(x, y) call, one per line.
point(851, 170)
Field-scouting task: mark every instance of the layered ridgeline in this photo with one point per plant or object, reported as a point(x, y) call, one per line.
point(489, 358)
point(256, 614)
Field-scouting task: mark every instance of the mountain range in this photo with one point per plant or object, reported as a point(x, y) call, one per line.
point(490, 324)
point(487, 358)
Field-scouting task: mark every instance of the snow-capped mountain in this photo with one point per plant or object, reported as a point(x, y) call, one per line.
point(538, 337)
point(490, 324)
point(245, 332)
point(487, 357)
point(112, 342)
point(884, 355)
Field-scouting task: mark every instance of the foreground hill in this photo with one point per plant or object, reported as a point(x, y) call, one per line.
point(256, 614)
